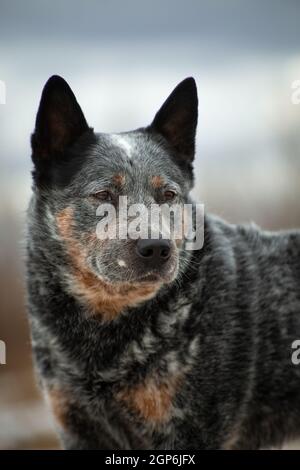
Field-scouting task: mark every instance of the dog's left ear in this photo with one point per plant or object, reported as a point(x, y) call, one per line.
point(177, 120)
point(59, 122)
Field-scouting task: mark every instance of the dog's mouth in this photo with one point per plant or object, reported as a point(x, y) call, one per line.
point(151, 277)
point(159, 276)
point(139, 275)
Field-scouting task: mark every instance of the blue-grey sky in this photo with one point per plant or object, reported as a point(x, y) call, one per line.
point(122, 59)
point(267, 24)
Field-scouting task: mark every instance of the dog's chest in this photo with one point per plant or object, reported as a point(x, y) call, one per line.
point(152, 374)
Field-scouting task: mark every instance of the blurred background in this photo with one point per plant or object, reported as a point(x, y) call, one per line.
point(122, 59)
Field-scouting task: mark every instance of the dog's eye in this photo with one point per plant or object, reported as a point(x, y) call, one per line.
point(169, 195)
point(103, 196)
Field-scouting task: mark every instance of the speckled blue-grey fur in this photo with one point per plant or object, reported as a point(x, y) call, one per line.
point(225, 323)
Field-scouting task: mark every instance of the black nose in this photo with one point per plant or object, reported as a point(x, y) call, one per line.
point(154, 251)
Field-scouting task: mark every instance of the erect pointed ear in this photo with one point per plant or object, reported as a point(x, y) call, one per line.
point(177, 119)
point(59, 121)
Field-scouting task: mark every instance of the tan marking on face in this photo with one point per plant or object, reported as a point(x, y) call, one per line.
point(64, 222)
point(101, 297)
point(110, 300)
point(58, 401)
point(152, 400)
point(157, 181)
point(178, 242)
point(119, 180)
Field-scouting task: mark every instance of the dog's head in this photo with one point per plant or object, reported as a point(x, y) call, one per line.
point(79, 175)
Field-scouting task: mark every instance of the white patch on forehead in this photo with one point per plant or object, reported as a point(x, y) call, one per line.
point(123, 142)
point(121, 263)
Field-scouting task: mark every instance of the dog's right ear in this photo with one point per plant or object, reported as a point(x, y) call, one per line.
point(59, 122)
point(176, 121)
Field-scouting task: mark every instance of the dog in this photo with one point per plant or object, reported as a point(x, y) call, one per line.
point(141, 343)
